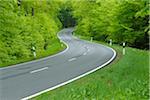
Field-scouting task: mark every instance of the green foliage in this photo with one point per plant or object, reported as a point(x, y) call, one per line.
point(32, 23)
point(36, 22)
point(120, 20)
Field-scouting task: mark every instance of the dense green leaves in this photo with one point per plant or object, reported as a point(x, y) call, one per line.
point(120, 20)
point(27, 23)
point(32, 23)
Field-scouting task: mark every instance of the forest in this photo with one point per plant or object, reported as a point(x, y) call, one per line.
point(25, 23)
point(28, 23)
point(119, 20)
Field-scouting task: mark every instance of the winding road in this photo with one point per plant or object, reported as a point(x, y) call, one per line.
point(26, 80)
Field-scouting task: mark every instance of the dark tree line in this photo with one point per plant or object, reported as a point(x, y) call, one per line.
point(65, 15)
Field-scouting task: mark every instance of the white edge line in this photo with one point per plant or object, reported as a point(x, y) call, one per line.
point(38, 70)
point(78, 77)
point(12, 66)
point(69, 81)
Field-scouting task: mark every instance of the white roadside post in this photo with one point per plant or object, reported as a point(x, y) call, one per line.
point(124, 51)
point(61, 43)
point(91, 39)
point(34, 53)
point(110, 42)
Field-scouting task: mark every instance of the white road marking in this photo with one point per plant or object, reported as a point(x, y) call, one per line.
point(84, 53)
point(78, 77)
point(41, 69)
point(88, 50)
point(71, 80)
point(72, 59)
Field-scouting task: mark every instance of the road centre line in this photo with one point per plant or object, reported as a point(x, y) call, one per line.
point(72, 59)
point(84, 53)
point(78, 77)
point(38, 70)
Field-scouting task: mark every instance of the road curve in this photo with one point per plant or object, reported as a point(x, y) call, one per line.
point(30, 79)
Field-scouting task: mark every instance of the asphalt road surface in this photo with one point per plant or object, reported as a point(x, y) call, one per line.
point(27, 80)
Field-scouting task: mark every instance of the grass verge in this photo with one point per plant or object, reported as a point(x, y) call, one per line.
point(124, 79)
point(54, 48)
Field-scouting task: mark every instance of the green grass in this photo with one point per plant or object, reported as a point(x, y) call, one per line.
point(124, 79)
point(52, 49)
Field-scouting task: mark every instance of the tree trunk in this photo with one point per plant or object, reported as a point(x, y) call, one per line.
point(19, 2)
point(32, 11)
